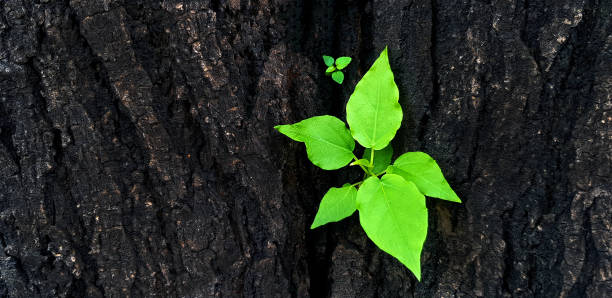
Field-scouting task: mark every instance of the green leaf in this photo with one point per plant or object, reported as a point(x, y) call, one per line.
point(338, 76)
point(328, 142)
point(329, 61)
point(393, 214)
point(423, 170)
point(330, 69)
point(343, 62)
point(382, 158)
point(337, 204)
point(361, 162)
point(373, 111)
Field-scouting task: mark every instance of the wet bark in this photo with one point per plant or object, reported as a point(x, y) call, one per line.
point(138, 157)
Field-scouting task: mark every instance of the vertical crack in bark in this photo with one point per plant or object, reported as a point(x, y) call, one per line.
point(435, 93)
point(366, 36)
point(481, 122)
point(7, 130)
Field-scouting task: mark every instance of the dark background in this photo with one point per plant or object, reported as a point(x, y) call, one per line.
point(137, 155)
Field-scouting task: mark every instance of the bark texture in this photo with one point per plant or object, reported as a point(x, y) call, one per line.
point(137, 155)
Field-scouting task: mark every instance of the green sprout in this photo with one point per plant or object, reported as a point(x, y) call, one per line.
point(335, 69)
point(391, 197)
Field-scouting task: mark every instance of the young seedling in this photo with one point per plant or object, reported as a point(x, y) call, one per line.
point(334, 67)
point(391, 198)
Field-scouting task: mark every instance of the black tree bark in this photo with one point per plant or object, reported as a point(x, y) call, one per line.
point(138, 156)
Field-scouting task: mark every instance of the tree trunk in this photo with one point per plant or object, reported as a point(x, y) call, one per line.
point(138, 156)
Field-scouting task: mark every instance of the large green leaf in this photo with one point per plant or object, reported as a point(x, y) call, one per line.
point(337, 204)
point(423, 170)
point(343, 62)
point(393, 214)
point(382, 158)
point(373, 111)
point(328, 142)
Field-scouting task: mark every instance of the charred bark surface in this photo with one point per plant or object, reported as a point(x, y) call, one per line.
point(138, 157)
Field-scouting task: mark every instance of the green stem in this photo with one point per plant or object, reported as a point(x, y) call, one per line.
point(367, 170)
point(381, 173)
point(371, 158)
point(363, 168)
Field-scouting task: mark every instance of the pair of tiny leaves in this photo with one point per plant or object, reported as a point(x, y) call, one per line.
point(334, 70)
point(387, 206)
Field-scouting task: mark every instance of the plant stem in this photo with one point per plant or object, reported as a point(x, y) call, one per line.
point(367, 170)
point(381, 173)
point(363, 168)
point(371, 157)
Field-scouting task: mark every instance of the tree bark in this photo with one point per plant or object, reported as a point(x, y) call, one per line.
point(138, 156)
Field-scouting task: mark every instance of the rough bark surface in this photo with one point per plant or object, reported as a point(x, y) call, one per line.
point(137, 155)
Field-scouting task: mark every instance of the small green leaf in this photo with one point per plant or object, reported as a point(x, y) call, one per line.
point(330, 69)
point(337, 204)
point(373, 111)
point(423, 170)
point(361, 162)
point(328, 142)
point(393, 214)
point(338, 76)
point(329, 61)
point(382, 158)
point(343, 62)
